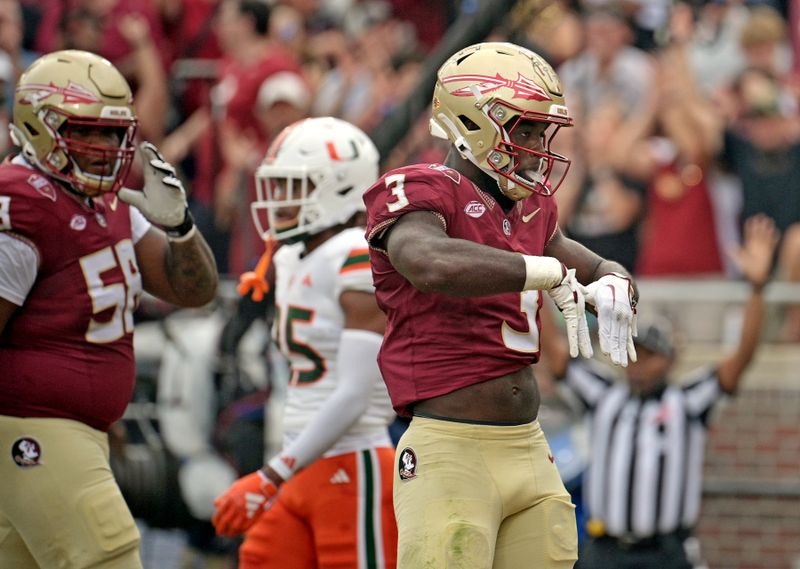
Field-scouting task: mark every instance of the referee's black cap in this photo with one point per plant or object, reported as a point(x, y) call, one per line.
point(656, 334)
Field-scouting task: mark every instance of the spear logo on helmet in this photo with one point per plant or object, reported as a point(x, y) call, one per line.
point(72, 93)
point(523, 87)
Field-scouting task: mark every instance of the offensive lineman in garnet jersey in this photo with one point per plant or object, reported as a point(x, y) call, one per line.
point(460, 253)
point(74, 259)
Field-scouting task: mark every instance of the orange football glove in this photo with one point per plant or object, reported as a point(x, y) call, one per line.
point(243, 503)
point(255, 282)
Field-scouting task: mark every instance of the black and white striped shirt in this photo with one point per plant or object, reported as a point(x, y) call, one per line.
point(646, 456)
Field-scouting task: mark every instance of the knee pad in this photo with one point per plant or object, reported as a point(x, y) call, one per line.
point(559, 515)
point(110, 523)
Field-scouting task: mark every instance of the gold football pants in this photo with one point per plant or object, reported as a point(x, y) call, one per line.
point(472, 496)
point(60, 507)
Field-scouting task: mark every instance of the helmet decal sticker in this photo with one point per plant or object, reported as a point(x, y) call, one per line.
point(523, 87)
point(72, 93)
point(331, 146)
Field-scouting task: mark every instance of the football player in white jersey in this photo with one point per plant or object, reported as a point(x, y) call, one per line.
point(325, 500)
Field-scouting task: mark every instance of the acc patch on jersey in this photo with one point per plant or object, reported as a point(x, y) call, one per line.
point(26, 452)
point(475, 209)
point(407, 464)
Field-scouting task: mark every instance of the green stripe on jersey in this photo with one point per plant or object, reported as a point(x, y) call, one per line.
point(356, 259)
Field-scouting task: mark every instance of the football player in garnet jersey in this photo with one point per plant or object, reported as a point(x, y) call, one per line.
point(460, 253)
point(328, 492)
point(74, 259)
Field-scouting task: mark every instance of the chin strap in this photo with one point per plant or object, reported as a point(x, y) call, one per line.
point(464, 150)
point(255, 282)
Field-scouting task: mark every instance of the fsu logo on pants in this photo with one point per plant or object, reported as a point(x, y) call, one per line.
point(407, 464)
point(26, 452)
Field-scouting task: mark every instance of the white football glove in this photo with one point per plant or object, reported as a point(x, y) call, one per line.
point(612, 297)
point(569, 298)
point(163, 199)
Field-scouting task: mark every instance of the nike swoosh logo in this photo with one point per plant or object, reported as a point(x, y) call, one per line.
point(527, 218)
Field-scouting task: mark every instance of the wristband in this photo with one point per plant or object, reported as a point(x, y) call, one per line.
point(182, 232)
point(280, 467)
point(542, 273)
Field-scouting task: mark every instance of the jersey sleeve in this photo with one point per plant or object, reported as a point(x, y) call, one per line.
point(139, 225)
point(27, 222)
point(23, 213)
point(354, 272)
point(552, 222)
point(401, 191)
point(19, 263)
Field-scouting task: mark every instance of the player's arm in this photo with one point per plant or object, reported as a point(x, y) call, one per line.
point(432, 261)
point(358, 375)
point(182, 272)
point(754, 260)
point(420, 250)
point(357, 356)
point(176, 263)
point(589, 266)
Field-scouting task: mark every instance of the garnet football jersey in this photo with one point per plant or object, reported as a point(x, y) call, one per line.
point(434, 343)
point(67, 351)
point(308, 326)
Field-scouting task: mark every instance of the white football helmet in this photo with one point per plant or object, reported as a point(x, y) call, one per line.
point(482, 94)
point(313, 177)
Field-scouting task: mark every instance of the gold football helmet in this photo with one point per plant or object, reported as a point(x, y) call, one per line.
point(486, 91)
point(73, 90)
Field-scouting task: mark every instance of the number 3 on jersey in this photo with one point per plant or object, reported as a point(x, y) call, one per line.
point(526, 342)
point(396, 184)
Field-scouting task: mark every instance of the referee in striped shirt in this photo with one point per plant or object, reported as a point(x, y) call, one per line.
point(647, 436)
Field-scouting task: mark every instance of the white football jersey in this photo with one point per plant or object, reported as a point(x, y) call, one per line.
point(308, 324)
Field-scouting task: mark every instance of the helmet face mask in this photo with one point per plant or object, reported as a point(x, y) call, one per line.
point(312, 178)
point(530, 166)
point(74, 120)
point(484, 94)
point(96, 167)
point(286, 206)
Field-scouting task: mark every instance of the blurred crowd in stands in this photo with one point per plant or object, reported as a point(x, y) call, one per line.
point(687, 115)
